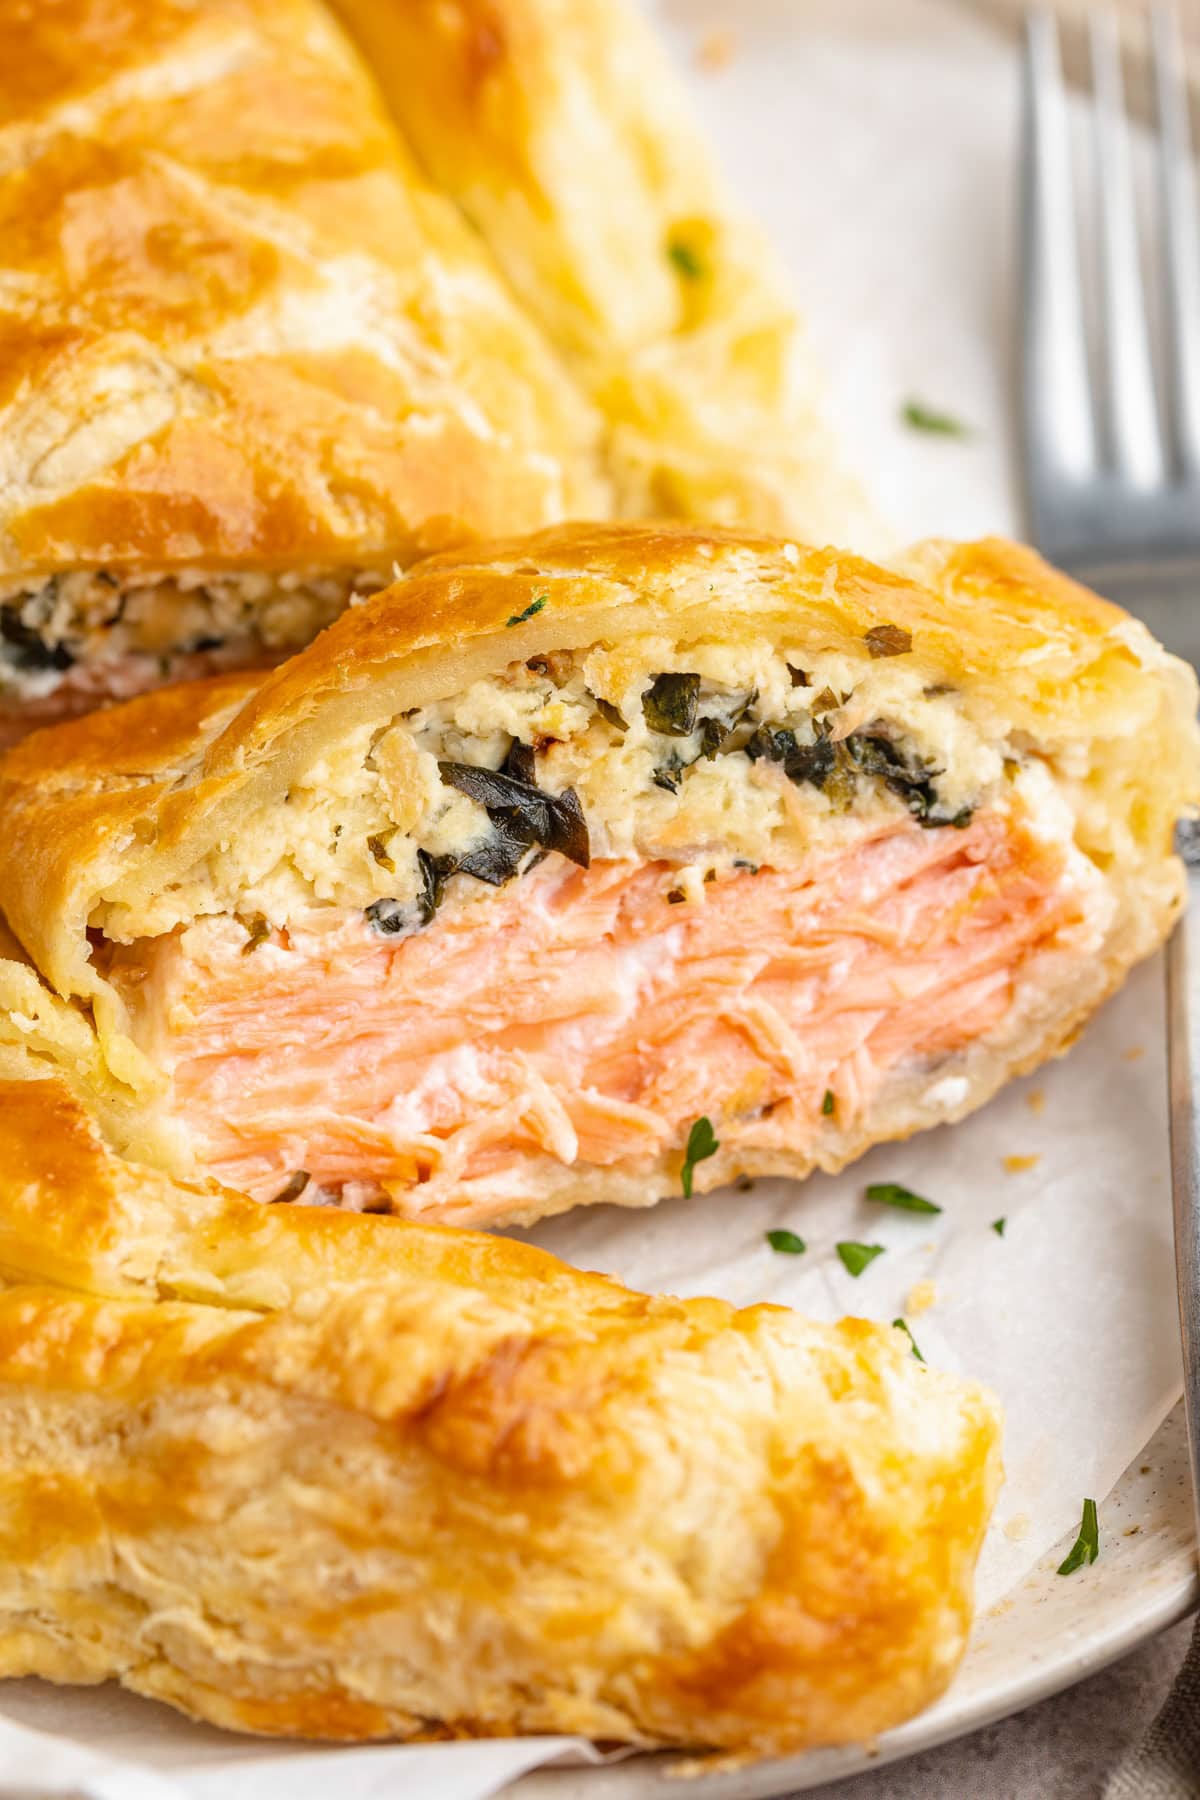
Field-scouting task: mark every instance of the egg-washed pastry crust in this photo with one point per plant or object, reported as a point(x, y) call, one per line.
point(303, 1473)
point(561, 130)
point(255, 355)
point(987, 759)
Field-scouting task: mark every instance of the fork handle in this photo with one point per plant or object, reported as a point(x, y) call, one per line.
point(1183, 1062)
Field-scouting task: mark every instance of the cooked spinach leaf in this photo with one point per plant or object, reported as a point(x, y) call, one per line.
point(29, 650)
point(521, 815)
point(608, 711)
point(392, 918)
point(498, 858)
point(521, 762)
point(293, 1189)
point(433, 871)
point(801, 762)
point(670, 704)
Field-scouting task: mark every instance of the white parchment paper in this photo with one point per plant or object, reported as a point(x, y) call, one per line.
point(876, 139)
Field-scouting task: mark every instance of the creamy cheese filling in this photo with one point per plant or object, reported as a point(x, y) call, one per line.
point(706, 755)
point(75, 639)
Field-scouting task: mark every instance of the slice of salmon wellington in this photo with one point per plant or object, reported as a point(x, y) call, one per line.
point(473, 909)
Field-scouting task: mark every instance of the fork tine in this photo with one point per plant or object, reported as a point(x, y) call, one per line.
point(1060, 438)
point(1132, 409)
point(1178, 192)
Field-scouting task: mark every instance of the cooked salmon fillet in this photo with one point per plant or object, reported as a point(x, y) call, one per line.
point(589, 1017)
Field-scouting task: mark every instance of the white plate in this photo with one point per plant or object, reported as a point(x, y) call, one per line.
point(899, 248)
point(1049, 1632)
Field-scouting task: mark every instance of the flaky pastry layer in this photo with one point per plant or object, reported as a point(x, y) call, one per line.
point(308, 1474)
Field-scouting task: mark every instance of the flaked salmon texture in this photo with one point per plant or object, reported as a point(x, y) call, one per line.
point(586, 1017)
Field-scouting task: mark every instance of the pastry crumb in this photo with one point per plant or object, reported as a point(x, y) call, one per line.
point(1134, 1053)
point(716, 51)
point(921, 1297)
point(1035, 1100)
point(1018, 1527)
point(1020, 1165)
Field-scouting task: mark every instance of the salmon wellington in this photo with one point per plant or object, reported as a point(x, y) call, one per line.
point(557, 858)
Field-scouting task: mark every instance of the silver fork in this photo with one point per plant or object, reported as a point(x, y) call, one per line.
point(1113, 476)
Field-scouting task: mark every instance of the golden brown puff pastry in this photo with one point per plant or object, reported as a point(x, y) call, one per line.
point(530, 863)
point(300, 1472)
point(253, 358)
point(560, 129)
point(250, 357)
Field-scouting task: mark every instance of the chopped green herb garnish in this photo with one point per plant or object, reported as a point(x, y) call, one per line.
point(535, 606)
point(888, 640)
point(998, 1226)
point(901, 1325)
point(857, 1256)
point(924, 418)
point(787, 1243)
point(828, 1103)
point(259, 932)
point(890, 1193)
point(1086, 1547)
point(702, 1143)
point(685, 259)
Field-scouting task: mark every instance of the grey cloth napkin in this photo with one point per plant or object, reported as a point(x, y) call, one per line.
point(1166, 1764)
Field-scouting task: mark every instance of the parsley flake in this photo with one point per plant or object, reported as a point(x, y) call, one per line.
point(535, 606)
point(827, 1104)
point(1086, 1547)
point(855, 1257)
point(787, 1243)
point(702, 1143)
point(998, 1226)
point(901, 1325)
point(920, 417)
point(890, 1193)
